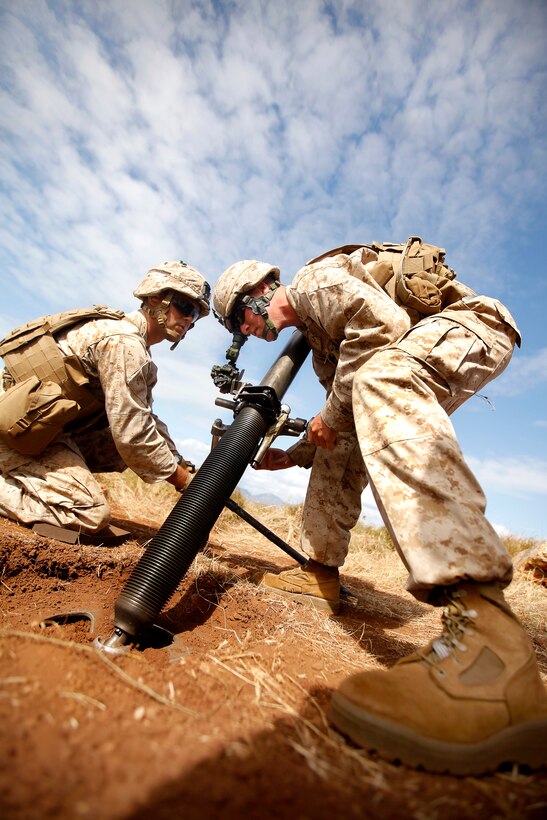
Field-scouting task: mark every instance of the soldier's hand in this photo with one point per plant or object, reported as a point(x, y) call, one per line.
point(181, 478)
point(275, 459)
point(320, 434)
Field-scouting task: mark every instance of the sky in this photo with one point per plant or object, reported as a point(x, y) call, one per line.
point(139, 131)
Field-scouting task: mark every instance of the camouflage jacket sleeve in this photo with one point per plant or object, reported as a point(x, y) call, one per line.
point(166, 435)
point(346, 321)
point(116, 354)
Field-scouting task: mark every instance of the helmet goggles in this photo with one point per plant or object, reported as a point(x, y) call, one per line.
point(186, 307)
point(237, 316)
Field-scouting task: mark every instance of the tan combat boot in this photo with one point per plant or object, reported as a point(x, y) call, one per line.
point(313, 584)
point(466, 703)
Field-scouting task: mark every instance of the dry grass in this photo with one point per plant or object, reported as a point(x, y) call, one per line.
point(515, 544)
point(281, 695)
point(237, 555)
point(147, 503)
point(255, 656)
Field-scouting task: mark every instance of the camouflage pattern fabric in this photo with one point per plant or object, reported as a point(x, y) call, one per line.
point(323, 295)
point(57, 487)
point(345, 321)
point(397, 385)
point(333, 501)
point(333, 497)
point(430, 500)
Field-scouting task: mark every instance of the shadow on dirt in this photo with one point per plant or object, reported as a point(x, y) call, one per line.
point(301, 768)
point(365, 617)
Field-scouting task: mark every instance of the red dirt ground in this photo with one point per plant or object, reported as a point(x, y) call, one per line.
point(228, 721)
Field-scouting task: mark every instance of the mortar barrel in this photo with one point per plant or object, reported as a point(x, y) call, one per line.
point(186, 529)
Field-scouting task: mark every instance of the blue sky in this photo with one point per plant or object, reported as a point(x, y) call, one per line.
point(141, 131)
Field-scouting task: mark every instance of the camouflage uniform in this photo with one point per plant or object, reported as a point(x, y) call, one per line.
point(394, 384)
point(57, 486)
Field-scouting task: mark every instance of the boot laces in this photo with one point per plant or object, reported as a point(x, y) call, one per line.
point(456, 621)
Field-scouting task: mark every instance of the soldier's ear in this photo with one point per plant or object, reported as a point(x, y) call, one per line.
point(154, 300)
point(260, 289)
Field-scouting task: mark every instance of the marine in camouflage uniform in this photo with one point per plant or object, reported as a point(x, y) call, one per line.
point(57, 485)
point(369, 357)
point(393, 377)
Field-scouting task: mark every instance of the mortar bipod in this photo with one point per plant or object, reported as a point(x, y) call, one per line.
point(275, 539)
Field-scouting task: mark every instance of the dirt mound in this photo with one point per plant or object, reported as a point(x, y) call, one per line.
point(534, 562)
point(229, 718)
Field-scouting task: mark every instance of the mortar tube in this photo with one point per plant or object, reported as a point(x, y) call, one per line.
point(186, 529)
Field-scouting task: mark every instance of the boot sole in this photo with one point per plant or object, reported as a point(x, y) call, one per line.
point(333, 607)
point(523, 744)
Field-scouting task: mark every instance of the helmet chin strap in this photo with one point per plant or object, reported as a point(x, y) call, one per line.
point(159, 313)
point(271, 328)
point(260, 304)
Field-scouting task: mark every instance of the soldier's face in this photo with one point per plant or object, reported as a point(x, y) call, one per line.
point(254, 325)
point(178, 321)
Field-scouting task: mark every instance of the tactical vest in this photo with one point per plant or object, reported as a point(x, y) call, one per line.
point(414, 274)
point(45, 389)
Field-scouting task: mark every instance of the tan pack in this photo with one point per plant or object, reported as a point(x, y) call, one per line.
point(32, 413)
point(414, 273)
point(45, 389)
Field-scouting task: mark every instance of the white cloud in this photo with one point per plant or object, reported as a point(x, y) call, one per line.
point(193, 450)
point(524, 374)
point(502, 530)
point(161, 122)
point(135, 132)
point(514, 476)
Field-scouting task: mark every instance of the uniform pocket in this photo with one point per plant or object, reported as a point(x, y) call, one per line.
point(486, 317)
point(32, 413)
point(459, 359)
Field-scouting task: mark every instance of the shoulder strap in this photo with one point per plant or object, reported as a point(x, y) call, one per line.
point(54, 323)
point(345, 249)
point(31, 350)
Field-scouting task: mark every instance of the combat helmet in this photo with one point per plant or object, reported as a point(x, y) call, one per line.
point(170, 278)
point(232, 292)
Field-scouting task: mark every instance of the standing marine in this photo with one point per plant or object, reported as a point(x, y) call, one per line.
point(399, 343)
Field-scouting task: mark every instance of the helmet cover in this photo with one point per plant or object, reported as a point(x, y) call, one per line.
point(179, 277)
point(238, 279)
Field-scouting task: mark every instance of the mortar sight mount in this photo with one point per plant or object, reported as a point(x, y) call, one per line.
point(227, 377)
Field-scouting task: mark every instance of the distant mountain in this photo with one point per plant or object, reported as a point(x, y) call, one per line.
point(268, 499)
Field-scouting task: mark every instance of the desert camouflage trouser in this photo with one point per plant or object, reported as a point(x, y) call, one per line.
point(430, 501)
point(333, 501)
point(57, 487)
